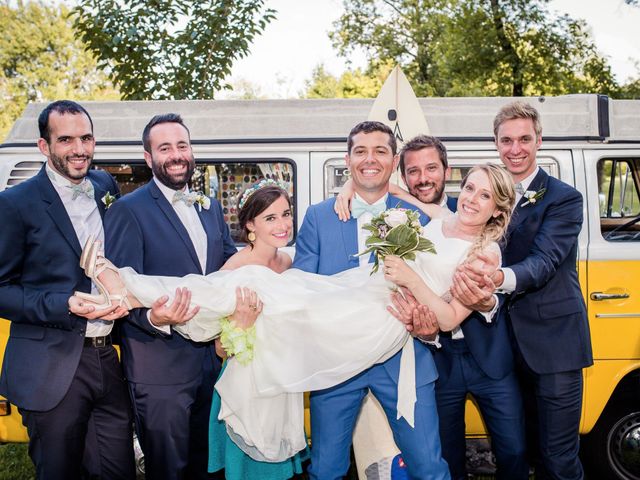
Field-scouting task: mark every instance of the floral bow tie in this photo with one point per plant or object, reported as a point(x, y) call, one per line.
point(83, 188)
point(188, 198)
point(358, 207)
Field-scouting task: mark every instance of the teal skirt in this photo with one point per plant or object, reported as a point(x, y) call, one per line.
point(223, 453)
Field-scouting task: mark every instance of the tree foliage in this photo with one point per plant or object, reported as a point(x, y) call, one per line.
point(476, 47)
point(170, 49)
point(41, 60)
point(351, 84)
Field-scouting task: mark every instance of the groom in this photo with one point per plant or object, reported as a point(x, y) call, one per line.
point(325, 245)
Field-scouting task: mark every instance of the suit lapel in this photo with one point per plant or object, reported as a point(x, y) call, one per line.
point(172, 217)
point(98, 194)
point(349, 231)
point(521, 213)
point(55, 209)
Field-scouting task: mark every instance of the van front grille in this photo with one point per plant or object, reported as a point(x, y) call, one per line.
point(23, 171)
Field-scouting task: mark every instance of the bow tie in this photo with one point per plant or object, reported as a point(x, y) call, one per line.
point(358, 207)
point(83, 188)
point(188, 198)
point(519, 189)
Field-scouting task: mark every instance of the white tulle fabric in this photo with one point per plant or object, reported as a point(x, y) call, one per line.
point(314, 332)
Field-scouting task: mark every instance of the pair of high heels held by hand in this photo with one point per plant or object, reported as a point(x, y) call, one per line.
point(94, 263)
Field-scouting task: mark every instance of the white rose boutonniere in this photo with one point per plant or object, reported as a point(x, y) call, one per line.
point(533, 196)
point(202, 201)
point(108, 200)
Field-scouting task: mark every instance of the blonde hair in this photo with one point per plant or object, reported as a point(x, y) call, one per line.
point(515, 110)
point(504, 195)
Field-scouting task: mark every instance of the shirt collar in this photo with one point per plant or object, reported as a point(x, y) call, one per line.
point(58, 180)
point(168, 192)
point(382, 199)
point(525, 182)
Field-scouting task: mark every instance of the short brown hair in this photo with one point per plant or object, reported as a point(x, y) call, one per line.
point(369, 127)
point(419, 142)
point(514, 110)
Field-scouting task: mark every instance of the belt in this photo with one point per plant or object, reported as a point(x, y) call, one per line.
point(97, 342)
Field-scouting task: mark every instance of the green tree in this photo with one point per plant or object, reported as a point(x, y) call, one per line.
point(351, 84)
point(170, 49)
point(476, 47)
point(41, 59)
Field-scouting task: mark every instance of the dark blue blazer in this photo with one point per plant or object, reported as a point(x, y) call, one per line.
point(546, 311)
point(142, 231)
point(39, 271)
point(326, 245)
point(488, 343)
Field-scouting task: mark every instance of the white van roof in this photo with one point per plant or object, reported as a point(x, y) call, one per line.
point(572, 117)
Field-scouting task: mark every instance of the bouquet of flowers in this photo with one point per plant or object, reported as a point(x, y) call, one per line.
point(396, 231)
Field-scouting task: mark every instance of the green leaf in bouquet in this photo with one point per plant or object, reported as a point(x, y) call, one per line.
point(425, 245)
point(402, 236)
point(409, 256)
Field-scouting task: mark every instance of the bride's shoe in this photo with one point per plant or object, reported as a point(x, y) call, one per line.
point(93, 264)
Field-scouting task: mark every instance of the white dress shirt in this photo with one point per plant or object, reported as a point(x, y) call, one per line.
point(85, 218)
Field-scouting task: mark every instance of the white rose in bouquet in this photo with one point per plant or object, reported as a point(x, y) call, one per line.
point(395, 217)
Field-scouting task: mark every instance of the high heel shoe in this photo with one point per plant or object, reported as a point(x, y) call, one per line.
point(93, 264)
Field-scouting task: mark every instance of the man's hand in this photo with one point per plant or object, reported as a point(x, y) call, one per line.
point(483, 265)
point(87, 310)
point(472, 295)
point(248, 308)
point(177, 313)
point(419, 320)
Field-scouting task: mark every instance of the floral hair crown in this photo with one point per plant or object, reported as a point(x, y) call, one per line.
point(267, 182)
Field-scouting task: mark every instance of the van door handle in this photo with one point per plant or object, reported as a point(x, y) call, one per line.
point(597, 296)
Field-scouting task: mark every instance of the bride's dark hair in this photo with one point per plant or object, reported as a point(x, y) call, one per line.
point(256, 203)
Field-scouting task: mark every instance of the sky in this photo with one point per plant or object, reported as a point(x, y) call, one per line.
point(284, 56)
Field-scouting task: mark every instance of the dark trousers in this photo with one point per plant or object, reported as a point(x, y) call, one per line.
point(501, 407)
point(95, 413)
point(553, 403)
point(172, 422)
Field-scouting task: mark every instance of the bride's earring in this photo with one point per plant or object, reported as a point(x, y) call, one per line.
point(251, 236)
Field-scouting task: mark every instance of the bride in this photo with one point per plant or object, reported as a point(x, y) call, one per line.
point(310, 333)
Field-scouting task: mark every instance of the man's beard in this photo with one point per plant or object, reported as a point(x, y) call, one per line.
point(175, 182)
point(434, 196)
point(61, 164)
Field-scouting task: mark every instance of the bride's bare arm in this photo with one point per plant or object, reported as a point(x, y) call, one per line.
point(449, 315)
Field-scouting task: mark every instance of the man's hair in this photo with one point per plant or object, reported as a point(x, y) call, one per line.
point(515, 110)
point(420, 142)
point(369, 127)
point(62, 107)
point(157, 120)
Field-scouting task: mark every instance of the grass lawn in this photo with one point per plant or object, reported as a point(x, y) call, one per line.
point(15, 463)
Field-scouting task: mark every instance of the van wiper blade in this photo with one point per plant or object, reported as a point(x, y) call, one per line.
point(628, 224)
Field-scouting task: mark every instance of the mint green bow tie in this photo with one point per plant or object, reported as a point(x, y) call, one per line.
point(188, 198)
point(83, 188)
point(358, 207)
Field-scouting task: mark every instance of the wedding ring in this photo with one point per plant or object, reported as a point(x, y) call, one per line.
point(253, 307)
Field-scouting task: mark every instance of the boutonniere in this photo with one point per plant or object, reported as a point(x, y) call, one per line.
point(533, 196)
point(202, 201)
point(108, 200)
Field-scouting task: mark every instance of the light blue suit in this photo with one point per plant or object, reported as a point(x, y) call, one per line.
point(325, 245)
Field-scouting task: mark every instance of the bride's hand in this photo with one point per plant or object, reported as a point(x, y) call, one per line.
point(248, 308)
point(397, 271)
point(343, 201)
point(220, 351)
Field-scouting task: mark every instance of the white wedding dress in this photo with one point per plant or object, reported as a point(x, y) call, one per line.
point(314, 332)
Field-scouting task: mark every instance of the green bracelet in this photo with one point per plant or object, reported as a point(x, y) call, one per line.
point(237, 341)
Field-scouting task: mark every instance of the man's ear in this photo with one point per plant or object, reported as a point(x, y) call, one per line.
point(447, 174)
point(148, 159)
point(43, 146)
point(347, 159)
point(396, 159)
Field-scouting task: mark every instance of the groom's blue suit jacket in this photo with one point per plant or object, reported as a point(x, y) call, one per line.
point(39, 271)
point(326, 245)
point(143, 231)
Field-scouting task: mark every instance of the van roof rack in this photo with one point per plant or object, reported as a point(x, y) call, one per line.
point(568, 117)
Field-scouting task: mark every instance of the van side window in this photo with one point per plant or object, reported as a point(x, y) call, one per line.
point(618, 192)
point(224, 181)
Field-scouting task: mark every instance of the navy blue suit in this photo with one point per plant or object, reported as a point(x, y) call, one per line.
point(325, 245)
point(480, 364)
point(46, 368)
point(171, 379)
point(548, 322)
